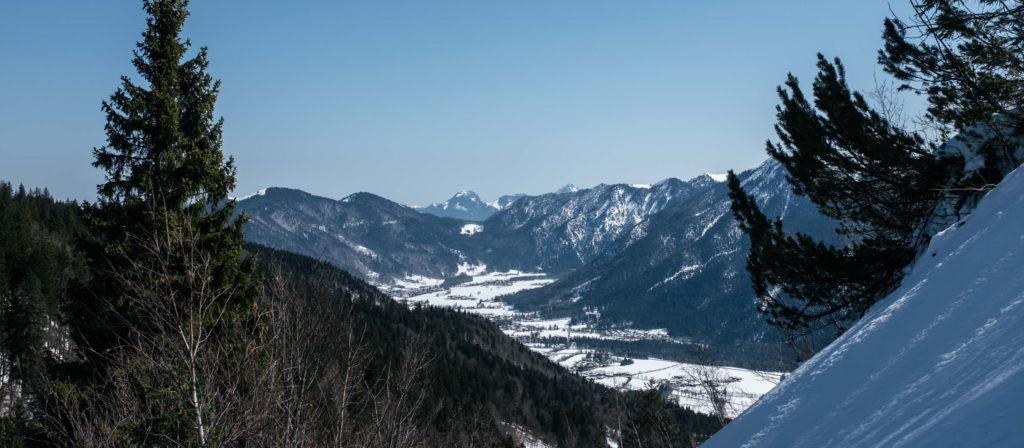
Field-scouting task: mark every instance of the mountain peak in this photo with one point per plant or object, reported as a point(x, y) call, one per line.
point(469, 194)
point(260, 192)
point(465, 204)
point(568, 188)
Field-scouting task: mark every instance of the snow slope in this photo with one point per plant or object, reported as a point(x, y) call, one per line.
point(939, 362)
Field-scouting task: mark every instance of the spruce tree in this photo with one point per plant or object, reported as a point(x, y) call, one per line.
point(165, 171)
point(170, 311)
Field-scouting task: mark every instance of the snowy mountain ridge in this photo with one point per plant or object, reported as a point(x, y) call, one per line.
point(667, 255)
point(467, 205)
point(939, 362)
point(678, 267)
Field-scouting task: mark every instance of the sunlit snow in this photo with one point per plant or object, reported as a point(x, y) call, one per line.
point(555, 338)
point(471, 229)
point(939, 362)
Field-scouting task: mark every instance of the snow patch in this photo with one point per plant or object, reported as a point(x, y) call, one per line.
point(260, 192)
point(471, 269)
point(471, 229)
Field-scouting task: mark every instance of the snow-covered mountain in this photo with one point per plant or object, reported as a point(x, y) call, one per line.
point(557, 232)
point(365, 234)
point(682, 269)
point(939, 362)
point(666, 255)
point(468, 206)
point(567, 188)
point(382, 241)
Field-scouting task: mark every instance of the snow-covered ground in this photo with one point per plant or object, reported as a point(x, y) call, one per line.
point(555, 339)
point(476, 296)
point(739, 387)
point(939, 362)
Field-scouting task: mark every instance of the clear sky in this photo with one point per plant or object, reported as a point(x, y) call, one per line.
point(415, 100)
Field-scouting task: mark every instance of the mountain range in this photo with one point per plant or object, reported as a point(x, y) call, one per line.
point(666, 255)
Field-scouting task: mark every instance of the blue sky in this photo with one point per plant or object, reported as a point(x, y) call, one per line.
point(417, 100)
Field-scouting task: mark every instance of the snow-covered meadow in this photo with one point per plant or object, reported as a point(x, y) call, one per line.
point(555, 339)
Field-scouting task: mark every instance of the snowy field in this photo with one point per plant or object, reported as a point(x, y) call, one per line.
point(555, 339)
point(739, 388)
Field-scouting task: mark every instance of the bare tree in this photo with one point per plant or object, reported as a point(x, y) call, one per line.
point(186, 352)
point(712, 382)
point(315, 374)
point(886, 97)
point(397, 398)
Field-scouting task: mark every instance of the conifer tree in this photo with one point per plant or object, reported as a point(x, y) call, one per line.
point(880, 184)
point(165, 171)
point(171, 308)
point(967, 59)
point(888, 188)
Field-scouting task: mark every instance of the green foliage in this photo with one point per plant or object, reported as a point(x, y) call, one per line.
point(650, 423)
point(37, 263)
point(888, 188)
point(165, 242)
point(879, 182)
point(966, 57)
point(165, 172)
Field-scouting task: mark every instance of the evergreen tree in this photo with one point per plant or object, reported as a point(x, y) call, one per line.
point(880, 183)
point(165, 171)
point(650, 422)
point(966, 58)
point(171, 307)
point(887, 188)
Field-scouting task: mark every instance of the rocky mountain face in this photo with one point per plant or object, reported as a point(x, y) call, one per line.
point(558, 232)
point(682, 269)
point(382, 241)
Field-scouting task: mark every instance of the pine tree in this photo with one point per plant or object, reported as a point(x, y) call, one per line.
point(966, 58)
point(888, 188)
point(880, 184)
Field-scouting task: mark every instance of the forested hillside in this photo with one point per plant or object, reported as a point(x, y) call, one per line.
point(453, 378)
point(474, 381)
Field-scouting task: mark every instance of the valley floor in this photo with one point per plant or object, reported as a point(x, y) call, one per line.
point(560, 341)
